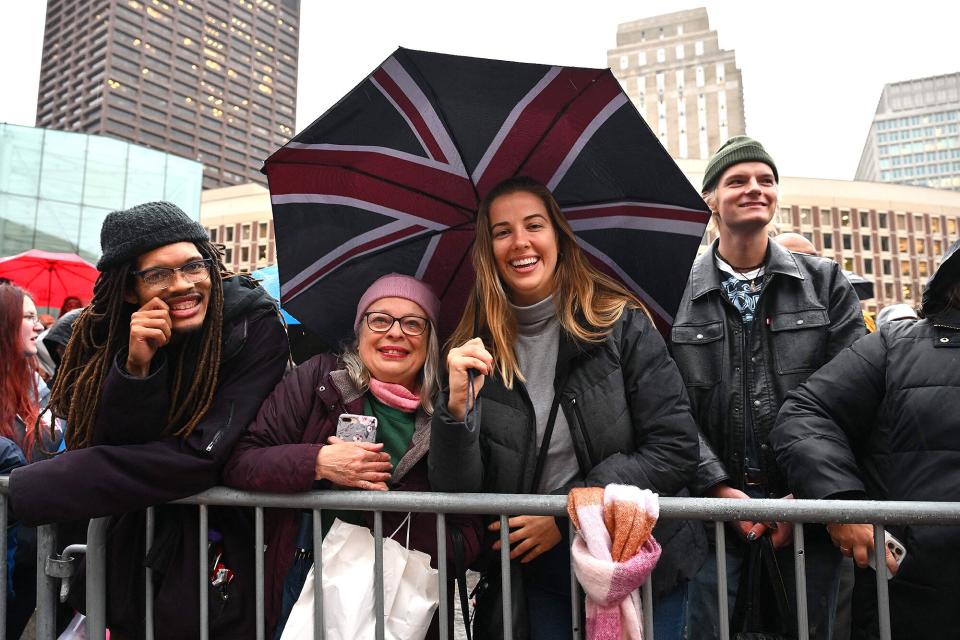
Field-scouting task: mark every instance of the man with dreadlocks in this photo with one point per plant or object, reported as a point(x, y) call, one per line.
point(165, 369)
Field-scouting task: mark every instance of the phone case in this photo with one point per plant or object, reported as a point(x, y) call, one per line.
point(356, 428)
point(895, 547)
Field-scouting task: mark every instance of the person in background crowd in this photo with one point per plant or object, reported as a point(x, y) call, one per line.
point(46, 320)
point(894, 312)
point(754, 322)
point(21, 397)
point(53, 344)
point(165, 369)
point(69, 304)
point(796, 243)
point(879, 422)
point(577, 389)
point(390, 373)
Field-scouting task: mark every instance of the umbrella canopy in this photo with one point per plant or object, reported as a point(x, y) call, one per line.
point(389, 180)
point(50, 277)
point(269, 278)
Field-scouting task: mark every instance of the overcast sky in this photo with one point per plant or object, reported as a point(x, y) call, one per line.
point(812, 70)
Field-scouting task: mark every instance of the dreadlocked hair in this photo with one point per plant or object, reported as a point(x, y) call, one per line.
point(103, 329)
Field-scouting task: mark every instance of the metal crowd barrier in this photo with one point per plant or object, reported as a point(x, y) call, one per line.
point(706, 509)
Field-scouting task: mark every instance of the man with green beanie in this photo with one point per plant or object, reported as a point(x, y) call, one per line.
point(754, 322)
point(163, 372)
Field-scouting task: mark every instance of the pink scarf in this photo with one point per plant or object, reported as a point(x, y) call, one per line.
point(613, 554)
point(394, 395)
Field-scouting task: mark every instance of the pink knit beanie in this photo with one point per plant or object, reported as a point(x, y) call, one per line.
point(395, 285)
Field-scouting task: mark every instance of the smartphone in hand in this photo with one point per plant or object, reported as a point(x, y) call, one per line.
point(352, 427)
point(896, 549)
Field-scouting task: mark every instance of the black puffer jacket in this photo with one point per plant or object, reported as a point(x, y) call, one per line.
point(630, 424)
point(882, 420)
point(808, 312)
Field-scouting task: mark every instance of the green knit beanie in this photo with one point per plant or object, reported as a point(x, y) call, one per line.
point(734, 151)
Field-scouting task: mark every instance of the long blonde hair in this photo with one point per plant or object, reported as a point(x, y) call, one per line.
point(588, 302)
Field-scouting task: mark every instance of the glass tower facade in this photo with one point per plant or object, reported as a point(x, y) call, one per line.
point(57, 187)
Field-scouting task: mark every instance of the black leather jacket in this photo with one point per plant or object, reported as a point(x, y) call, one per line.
point(807, 313)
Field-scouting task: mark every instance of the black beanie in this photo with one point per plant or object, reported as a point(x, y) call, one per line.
point(130, 233)
point(734, 151)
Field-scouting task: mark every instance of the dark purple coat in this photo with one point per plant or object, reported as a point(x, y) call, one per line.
point(279, 451)
point(134, 466)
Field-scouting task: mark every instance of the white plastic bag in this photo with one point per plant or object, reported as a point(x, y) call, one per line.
point(410, 597)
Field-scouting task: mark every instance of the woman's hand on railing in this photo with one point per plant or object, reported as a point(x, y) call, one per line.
point(535, 534)
point(363, 465)
point(723, 490)
point(470, 355)
point(781, 533)
point(856, 541)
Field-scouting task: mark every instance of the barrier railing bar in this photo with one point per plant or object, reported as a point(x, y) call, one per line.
point(883, 597)
point(318, 629)
point(258, 568)
point(709, 509)
point(148, 576)
point(646, 594)
point(723, 611)
point(46, 586)
point(442, 577)
point(576, 600)
point(204, 575)
point(3, 565)
point(378, 604)
point(800, 574)
point(96, 581)
point(505, 585)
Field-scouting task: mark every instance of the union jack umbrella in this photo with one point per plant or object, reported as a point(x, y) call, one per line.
point(389, 180)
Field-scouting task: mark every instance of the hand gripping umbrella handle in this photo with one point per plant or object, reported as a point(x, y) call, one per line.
point(471, 418)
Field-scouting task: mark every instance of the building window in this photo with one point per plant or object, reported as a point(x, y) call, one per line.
point(918, 225)
point(213, 234)
point(907, 292)
point(847, 242)
point(904, 268)
point(804, 215)
point(228, 257)
point(660, 83)
point(642, 58)
point(935, 224)
point(922, 268)
point(920, 245)
point(864, 219)
point(720, 69)
point(244, 254)
point(884, 243)
point(828, 240)
point(245, 232)
point(700, 81)
point(937, 248)
point(826, 217)
point(868, 266)
point(698, 48)
point(624, 62)
point(952, 227)
point(661, 55)
point(228, 235)
point(679, 52)
point(902, 245)
point(865, 241)
point(262, 230)
point(848, 264)
point(887, 268)
point(888, 291)
point(261, 252)
point(901, 221)
point(845, 217)
point(882, 220)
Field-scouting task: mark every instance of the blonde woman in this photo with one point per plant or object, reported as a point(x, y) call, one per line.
point(576, 389)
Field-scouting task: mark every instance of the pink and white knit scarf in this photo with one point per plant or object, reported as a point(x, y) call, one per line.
point(613, 554)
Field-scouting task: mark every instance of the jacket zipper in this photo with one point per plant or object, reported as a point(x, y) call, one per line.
point(583, 430)
point(947, 326)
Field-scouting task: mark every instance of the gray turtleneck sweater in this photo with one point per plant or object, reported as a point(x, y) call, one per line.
point(538, 342)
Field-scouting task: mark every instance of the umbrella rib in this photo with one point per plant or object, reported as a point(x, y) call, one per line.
point(427, 88)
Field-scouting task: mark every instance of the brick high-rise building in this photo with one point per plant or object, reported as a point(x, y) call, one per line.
point(915, 134)
point(686, 87)
point(210, 80)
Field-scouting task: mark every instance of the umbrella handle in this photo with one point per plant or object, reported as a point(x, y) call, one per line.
point(471, 416)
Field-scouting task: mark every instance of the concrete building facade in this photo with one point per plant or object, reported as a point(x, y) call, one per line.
point(209, 80)
point(687, 88)
point(891, 234)
point(241, 219)
point(915, 134)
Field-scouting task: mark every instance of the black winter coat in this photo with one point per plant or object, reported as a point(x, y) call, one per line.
point(133, 466)
point(630, 423)
point(882, 420)
point(808, 312)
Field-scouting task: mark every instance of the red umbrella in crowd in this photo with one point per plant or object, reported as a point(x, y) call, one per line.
point(389, 179)
point(50, 277)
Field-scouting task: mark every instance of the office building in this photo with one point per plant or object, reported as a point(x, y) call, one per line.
point(57, 187)
point(209, 80)
point(241, 219)
point(915, 134)
point(891, 234)
point(687, 88)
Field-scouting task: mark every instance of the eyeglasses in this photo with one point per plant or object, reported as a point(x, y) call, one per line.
point(32, 318)
point(380, 322)
point(162, 277)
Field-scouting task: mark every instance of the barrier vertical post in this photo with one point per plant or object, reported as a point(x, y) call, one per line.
point(505, 577)
point(319, 630)
point(378, 604)
point(148, 573)
point(800, 571)
point(883, 597)
point(96, 582)
point(723, 611)
point(258, 557)
point(204, 575)
point(46, 586)
point(442, 577)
